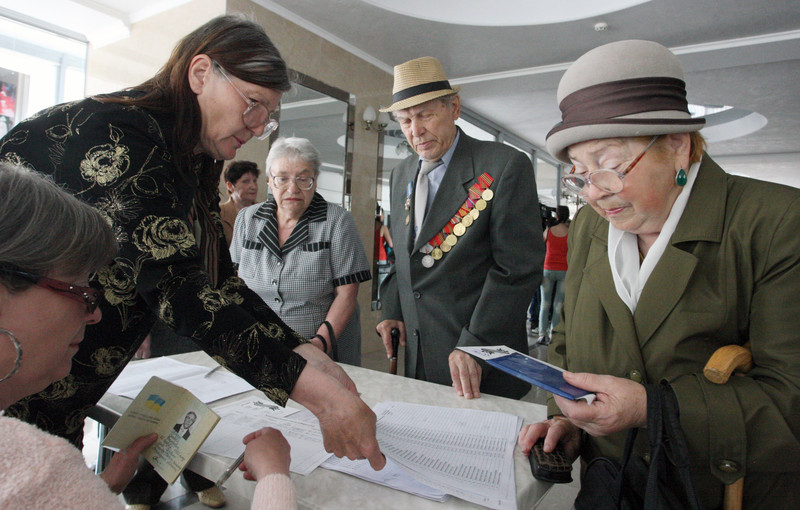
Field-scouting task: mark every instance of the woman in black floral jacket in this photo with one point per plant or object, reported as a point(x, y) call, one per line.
point(149, 159)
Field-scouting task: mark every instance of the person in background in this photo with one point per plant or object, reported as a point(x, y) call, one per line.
point(149, 159)
point(383, 253)
point(50, 243)
point(303, 255)
point(555, 270)
point(241, 180)
point(468, 256)
point(673, 259)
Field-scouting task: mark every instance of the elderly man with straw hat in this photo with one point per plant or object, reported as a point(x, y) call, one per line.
point(468, 241)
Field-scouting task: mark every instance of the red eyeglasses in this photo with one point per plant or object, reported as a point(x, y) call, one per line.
point(86, 295)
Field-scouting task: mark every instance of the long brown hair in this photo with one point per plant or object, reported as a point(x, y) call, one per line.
point(240, 46)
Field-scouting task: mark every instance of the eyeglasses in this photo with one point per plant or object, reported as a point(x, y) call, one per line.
point(256, 116)
point(283, 182)
point(86, 295)
point(604, 179)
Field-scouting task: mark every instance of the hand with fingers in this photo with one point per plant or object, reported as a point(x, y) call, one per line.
point(466, 374)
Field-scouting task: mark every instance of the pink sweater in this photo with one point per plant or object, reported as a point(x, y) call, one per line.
point(39, 470)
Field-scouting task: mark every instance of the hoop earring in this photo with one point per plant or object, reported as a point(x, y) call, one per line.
point(680, 177)
point(18, 347)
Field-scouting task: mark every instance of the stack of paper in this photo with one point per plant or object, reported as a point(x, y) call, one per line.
point(392, 475)
point(207, 384)
point(463, 452)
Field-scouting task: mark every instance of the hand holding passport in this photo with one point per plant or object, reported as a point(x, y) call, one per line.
point(532, 370)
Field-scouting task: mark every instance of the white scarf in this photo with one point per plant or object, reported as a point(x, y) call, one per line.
point(623, 250)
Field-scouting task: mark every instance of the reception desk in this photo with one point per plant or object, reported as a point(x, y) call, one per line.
point(325, 489)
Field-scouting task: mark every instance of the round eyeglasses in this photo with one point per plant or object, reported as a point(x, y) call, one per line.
point(256, 116)
point(88, 296)
point(283, 182)
point(603, 179)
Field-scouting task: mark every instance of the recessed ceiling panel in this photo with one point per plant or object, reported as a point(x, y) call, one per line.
point(503, 13)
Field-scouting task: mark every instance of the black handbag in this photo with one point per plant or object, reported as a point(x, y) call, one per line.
point(663, 484)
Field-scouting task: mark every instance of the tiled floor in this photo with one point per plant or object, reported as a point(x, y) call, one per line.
point(373, 357)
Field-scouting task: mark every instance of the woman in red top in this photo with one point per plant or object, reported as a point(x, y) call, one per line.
point(555, 269)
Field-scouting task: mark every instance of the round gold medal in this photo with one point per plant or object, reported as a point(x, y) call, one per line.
point(445, 247)
point(459, 229)
point(451, 239)
point(467, 220)
point(487, 194)
point(480, 204)
point(474, 213)
point(436, 254)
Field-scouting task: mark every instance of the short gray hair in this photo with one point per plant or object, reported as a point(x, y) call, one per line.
point(296, 149)
point(44, 229)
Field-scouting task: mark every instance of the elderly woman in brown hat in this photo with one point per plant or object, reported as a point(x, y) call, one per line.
point(674, 259)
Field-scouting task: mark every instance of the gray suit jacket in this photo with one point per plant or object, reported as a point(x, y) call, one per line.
point(478, 293)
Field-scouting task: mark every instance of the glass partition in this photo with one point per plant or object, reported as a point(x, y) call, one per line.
point(38, 69)
point(322, 114)
point(547, 181)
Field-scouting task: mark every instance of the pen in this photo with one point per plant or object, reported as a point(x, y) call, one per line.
point(208, 374)
point(228, 472)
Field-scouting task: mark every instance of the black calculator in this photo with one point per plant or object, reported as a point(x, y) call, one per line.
point(553, 467)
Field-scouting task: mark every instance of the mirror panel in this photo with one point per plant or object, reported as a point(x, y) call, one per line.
point(322, 114)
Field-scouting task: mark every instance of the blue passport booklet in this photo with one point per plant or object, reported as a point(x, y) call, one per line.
point(532, 370)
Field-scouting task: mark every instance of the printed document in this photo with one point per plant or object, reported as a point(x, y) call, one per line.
point(181, 421)
point(240, 418)
point(463, 452)
point(535, 371)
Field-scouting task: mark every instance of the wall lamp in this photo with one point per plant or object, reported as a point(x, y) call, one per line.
point(370, 117)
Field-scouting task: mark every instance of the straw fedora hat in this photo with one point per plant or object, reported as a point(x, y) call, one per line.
point(418, 81)
point(622, 89)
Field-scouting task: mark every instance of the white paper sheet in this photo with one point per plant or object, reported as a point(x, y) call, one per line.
point(463, 452)
point(207, 384)
point(240, 418)
point(392, 475)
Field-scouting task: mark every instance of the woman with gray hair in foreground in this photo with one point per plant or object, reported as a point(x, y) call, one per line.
point(50, 243)
point(303, 255)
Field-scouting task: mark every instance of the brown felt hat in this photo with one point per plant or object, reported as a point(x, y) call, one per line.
point(418, 81)
point(621, 89)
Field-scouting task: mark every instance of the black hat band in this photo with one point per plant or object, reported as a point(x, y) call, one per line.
point(420, 89)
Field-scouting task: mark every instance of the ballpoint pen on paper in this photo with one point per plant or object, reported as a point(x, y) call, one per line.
point(228, 472)
point(208, 374)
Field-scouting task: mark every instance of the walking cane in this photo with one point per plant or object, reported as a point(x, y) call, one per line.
point(718, 370)
point(395, 346)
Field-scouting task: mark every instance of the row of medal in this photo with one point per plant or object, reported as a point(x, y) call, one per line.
point(478, 196)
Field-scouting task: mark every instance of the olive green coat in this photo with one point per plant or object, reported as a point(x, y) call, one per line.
point(731, 273)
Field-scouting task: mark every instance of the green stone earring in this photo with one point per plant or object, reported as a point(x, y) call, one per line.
point(680, 177)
